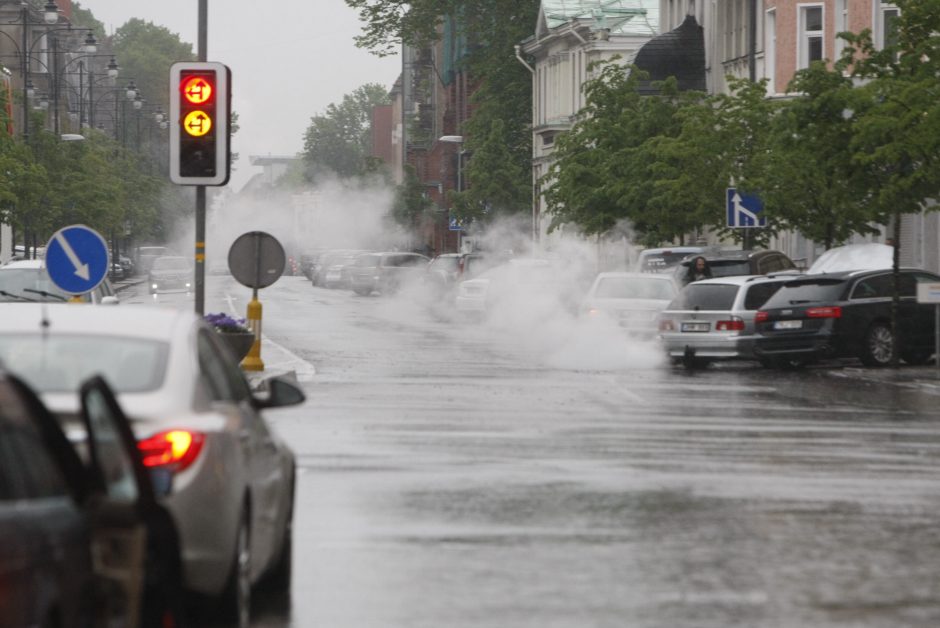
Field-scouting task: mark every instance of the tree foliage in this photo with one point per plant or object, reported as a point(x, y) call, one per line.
point(498, 164)
point(339, 140)
point(145, 52)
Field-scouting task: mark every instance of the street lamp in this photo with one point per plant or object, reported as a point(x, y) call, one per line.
point(112, 68)
point(91, 44)
point(456, 139)
point(50, 13)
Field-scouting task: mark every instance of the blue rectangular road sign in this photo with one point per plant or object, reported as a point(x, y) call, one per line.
point(744, 210)
point(454, 225)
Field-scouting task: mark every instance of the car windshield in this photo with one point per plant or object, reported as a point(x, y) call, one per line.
point(702, 296)
point(170, 263)
point(807, 291)
point(60, 363)
point(28, 283)
point(367, 261)
point(634, 288)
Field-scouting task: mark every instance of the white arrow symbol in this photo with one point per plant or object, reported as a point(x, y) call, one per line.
point(741, 212)
point(80, 269)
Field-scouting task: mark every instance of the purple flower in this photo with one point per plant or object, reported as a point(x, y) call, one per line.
point(225, 323)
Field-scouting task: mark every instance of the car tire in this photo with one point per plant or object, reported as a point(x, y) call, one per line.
point(878, 346)
point(236, 599)
point(363, 292)
point(916, 357)
point(279, 580)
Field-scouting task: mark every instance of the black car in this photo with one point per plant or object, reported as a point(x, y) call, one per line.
point(83, 541)
point(733, 263)
point(846, 315)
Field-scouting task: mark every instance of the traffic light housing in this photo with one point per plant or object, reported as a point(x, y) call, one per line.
point(200, 110)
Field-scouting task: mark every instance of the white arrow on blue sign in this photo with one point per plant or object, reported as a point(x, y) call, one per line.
point(744, 210)
point(77, 259)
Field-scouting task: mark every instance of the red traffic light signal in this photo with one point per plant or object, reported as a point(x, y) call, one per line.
point(200, 107)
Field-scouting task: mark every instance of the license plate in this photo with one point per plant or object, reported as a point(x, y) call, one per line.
point(788, 325)
point(696, 327)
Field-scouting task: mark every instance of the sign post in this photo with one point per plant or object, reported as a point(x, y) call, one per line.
point(256, 260)
point(929, 292)
point(77, 260)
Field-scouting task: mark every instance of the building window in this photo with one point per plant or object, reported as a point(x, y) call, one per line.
point(842, 25)
point(811, 34)
point(888, 26)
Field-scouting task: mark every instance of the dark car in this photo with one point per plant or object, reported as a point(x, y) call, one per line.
point(386, 273)
point(737, 263)
point(170, 273)
point(83, 541)
point(846, 315)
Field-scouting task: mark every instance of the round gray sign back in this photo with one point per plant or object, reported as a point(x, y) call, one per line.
point(256, 259)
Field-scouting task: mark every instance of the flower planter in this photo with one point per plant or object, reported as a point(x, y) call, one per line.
point(239, 342)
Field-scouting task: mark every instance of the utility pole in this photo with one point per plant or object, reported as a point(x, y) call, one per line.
point(200, 266)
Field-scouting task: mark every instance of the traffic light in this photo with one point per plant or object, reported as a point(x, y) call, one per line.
point(200, 108)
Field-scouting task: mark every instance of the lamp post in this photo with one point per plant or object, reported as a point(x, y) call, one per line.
point(458, 140)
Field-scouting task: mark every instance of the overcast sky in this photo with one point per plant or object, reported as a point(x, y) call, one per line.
point(289, 60)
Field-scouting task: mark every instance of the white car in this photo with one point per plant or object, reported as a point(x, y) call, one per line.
point(631, 300)
point(506, 286)
point(226, 478)
point(27, 280)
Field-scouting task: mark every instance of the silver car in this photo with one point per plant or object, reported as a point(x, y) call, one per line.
point(631, 300)
point(226, 478)
point(713, 319)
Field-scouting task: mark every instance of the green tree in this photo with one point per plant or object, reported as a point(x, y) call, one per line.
point(503, 95)
point(410, 202)
point(339, 140)
point(86, 19)
point(145, 52)
point(805, 173)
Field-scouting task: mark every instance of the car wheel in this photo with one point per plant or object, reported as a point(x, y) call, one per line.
point(916, 357)
point(363, 292)
point(878, 347)
point(236, 600)
point(280, 578)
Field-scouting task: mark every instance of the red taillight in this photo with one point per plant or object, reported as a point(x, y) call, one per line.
point(761, 316)
point(735, 324)
point(666, 325)
point(824, 312)
point(173, 448)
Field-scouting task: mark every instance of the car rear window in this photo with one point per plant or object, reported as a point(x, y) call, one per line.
point(171, 263)
point(758, 294)
point(729, 268)
point(710, 296)
point(447, 264)
point(807, 291)
point(633, 288)
point(60, 363)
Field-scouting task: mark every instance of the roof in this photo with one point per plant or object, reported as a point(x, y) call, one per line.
point(622, 17)
point(868, 256)
point(740, 280)
point(679, 53)
point(146, 322)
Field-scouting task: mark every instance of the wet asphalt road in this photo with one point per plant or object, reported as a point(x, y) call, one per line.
point(545, 475)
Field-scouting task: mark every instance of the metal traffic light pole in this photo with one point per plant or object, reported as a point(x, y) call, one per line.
point(200, 265)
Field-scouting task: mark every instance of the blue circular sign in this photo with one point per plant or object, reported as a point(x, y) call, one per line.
point(77, 259)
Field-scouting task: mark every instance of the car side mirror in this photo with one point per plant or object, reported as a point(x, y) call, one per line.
point(280, 393)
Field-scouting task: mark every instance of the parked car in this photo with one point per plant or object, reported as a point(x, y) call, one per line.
point(386, 273)
point(307, 263)
point(631, 300)
point(445, 271)
point(713, 319)
point(665, 259)
point(27, 280)
point(738, 263)
point(83, 541)
point(866, 256)
point(336, 269)
point(170, 273)
point(846, 315)
point(128, 265)
point(230, 478)
point(533, 283)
